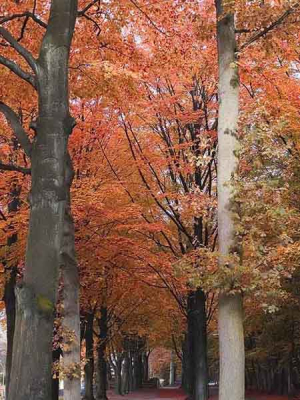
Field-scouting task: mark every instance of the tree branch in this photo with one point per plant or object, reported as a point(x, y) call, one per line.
point(19, 48)
point(147, 17)
point(14, 122)
point(269, 28)
point(27, 14)
point(16, 168)
point(18, 71)
point(86, 8)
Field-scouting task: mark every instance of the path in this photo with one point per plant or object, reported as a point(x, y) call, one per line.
point(177, 394)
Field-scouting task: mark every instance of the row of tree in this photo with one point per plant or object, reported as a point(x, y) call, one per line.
point(178, 209)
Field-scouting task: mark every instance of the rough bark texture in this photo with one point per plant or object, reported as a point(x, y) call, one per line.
point(231, 338)
point(36, 296)
point(89, 354)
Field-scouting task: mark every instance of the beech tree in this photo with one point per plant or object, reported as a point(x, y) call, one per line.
point(51, 240)
point(231, 337)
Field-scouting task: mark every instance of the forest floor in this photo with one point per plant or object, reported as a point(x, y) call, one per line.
point(175, 393)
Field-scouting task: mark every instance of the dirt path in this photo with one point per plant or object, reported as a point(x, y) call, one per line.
point(177, 394)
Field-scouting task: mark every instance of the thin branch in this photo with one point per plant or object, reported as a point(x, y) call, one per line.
point(27, 14)
point(16, 168)
point(86, 8)
point(19, 48)
point(18, 71)
point(14, 121)
point(269, 28)
point(147, 17)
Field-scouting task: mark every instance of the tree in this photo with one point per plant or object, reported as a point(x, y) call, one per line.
point(231, 337)
point(51, 172)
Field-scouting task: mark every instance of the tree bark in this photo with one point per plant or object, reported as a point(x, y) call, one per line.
point(186, 365)
point(231, 336)
point(36, 296)
point(55, 380)
point(10, 308)
point(89, 353)
point(101, 361)
point(172, 370)
point(198, 344)
point(9, 292)
point(71, 316)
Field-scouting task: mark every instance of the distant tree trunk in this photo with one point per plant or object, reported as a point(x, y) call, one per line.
point(145, 367)
point(186, 365)
point(231, 336)
point(125, 375)
point(130, 374)
point(89, 354)
point(198, 344)
point(10, 308)
point(101, 387)
point(9, 291)
point(55, 379)
point(118, 374)
point(36, 296)
point(71, 315)
point(172, 370)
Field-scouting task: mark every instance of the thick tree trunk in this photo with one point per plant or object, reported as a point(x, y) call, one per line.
point(101, 361)
point(89, 353)
point(198, 345)
point(36, 296)
point(231, 336)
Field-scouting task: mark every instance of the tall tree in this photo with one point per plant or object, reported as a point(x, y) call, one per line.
point(51, 179)
point(231, 335)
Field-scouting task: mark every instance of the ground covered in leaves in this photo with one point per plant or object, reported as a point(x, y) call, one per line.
point(170, 394)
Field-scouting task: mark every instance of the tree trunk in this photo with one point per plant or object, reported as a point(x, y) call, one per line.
point(89, 353)
point(118, 375)
point(145, 367)
point(101, 362)
point(71, 316)
point(9, 291)
point(172, 370)
point(231, 336)
point(186, 364)
point(55, 379)
point(36, 296)
point(198, 344)
point(10, 308)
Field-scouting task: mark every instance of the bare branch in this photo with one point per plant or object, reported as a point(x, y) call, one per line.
point(82, 12)
point(18, 71)
point(14, 121)
point(19, 48)
point(147, 17)
point(27, 14)
point(16, 168)
point(269, 28)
